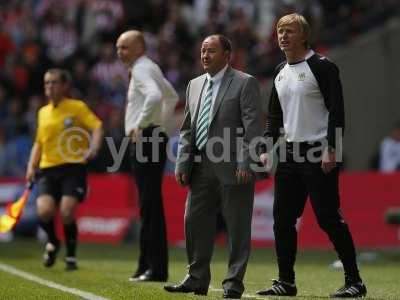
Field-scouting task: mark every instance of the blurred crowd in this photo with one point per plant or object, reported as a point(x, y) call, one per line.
point(79, 35)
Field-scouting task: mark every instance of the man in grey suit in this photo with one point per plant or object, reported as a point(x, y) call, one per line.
point(222, 120)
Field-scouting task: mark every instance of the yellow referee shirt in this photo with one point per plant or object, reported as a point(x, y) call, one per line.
point(63, 132)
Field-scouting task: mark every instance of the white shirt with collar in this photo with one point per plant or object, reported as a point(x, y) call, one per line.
point(151, 98)
point(216, 79)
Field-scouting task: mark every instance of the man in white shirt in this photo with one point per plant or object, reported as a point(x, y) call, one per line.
point(151, 100)
point(389, 156)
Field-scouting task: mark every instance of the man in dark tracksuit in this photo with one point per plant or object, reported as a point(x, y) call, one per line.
point(307, 102)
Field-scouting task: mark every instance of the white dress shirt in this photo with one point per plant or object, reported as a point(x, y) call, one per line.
point(151, 98)
point(216, 79)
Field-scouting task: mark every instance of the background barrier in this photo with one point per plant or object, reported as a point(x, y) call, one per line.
point(110, 211)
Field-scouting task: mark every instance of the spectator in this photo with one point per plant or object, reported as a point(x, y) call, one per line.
point(12, 122)
point(81, 82)
point(100, 17)
point(17, 151)
point(38, 34)
point(3, 104)
point(34, 63)
point(110, 75)
point(34, 104)
point(59, 36)
point(7, 45)
point(389, 156)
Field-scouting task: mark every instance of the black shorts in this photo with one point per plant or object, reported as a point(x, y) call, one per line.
point(63, 180)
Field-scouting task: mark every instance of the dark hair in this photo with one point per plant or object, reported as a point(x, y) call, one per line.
point(64, 75)
point(226, 44)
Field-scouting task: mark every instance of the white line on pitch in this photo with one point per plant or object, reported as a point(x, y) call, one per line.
point(48, 283)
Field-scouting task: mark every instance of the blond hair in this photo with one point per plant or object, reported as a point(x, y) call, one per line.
point(296, 19)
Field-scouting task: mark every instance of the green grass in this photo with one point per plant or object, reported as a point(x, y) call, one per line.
point(104, 271)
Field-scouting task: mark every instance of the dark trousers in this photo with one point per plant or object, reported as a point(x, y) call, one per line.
point(294, 182)
point(148, 175)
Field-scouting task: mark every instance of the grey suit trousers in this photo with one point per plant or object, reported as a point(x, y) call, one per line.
point(207, 196)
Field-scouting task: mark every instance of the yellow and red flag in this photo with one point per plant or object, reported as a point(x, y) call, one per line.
point(14, 211)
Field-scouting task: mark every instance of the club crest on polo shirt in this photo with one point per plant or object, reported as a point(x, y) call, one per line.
point(302, 76)
point(280, 77)
point(68, 122)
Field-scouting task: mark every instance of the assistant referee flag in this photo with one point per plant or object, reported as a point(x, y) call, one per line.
point(14, 211)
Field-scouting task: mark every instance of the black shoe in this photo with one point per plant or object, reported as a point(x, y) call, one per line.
point(350, 290)
point(187, 286)
point(181, 288)
point(136, 275)
point(148, 276)
point(70, 263)
point(231, 294)
point(279, 288)
point(50, 254)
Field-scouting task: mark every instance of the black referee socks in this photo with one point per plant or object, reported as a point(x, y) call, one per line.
point(70, 233)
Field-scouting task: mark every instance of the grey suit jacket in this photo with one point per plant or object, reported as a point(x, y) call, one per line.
point(235, 125)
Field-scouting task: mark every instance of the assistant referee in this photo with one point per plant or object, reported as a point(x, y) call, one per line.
point(68, 135)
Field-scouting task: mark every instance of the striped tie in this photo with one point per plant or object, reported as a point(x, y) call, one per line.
point(202, 122)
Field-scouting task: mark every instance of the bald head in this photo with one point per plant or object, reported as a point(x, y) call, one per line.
point(130, 46)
